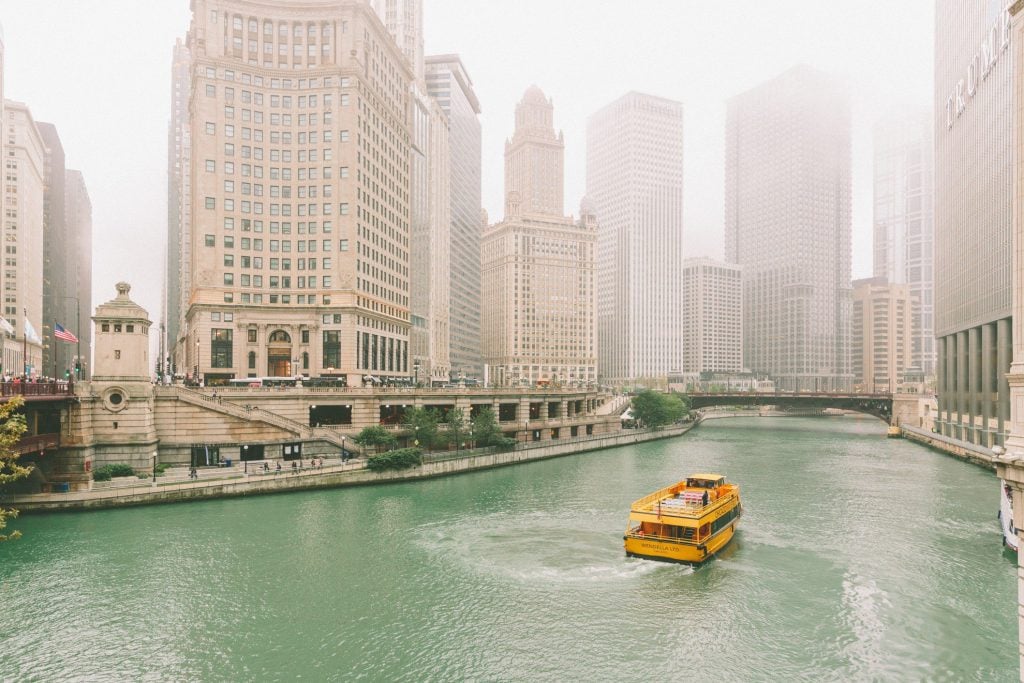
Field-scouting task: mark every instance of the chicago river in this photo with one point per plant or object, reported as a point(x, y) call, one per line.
point(858, 558)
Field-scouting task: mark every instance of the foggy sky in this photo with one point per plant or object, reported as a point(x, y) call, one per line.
point(100, 71)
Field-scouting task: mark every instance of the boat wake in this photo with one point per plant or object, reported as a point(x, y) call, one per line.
point(536, 548)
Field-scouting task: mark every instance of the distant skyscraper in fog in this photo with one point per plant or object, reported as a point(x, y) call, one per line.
point(787, 222)
point(904, 221)
point(450, 86)
point(635, 181)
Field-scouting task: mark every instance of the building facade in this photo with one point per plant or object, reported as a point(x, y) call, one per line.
point(713, 314)
point(449, 85)
point(78, 217)
point(430, 265)
point(55, 258)
point(430, 202)
point(179, 209)
point(298, 184)
point(24, 189)
point(537, 265)
point(635, 181)
point(904, 226)
point(788, 223)
point(883, 334)
point(973, 218)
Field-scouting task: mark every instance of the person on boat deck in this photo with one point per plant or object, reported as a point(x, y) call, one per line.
point(704, 499)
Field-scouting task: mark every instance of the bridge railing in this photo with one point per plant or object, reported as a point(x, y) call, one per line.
point(34, 389)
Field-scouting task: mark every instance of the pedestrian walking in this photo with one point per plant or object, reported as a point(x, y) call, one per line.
point(278, 470)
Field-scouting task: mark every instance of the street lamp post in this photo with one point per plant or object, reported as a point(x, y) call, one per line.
point(416, 370)
point(245, 460)
point(343, 458)
point(197, 359)
point(154, 467)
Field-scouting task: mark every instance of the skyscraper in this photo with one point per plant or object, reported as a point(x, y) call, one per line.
point(787, 222)
point(973, 218)
point(450, 86)
point(713, 313)
point(78, 218)
point(904, 226)
point(635, 181)
point(55, 243)
point(537, 265)
point(297, 182)
point(179, 208)
point(430, 271)
point(24, 187)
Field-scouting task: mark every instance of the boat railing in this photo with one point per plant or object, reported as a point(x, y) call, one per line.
point(636, 532)
point(661, 503)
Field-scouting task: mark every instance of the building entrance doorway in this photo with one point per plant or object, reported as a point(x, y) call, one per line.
point(279, 354)
point(279, 364)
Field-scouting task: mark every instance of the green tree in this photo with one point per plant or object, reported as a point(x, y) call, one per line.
point(12, 426)
point(486, 431)
point(456, 423)
point(377, 437)
point(423, 426)
point(654, 409)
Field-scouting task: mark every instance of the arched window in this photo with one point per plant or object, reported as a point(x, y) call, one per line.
point(280, 337)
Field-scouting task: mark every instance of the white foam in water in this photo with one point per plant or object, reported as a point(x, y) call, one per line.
point(538, 548)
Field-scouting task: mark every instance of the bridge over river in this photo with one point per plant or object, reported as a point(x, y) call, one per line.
point(879, 405)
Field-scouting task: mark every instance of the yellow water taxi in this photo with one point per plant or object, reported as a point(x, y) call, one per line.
point(687, 522)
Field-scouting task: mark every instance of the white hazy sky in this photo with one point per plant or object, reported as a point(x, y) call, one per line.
point(100, 71)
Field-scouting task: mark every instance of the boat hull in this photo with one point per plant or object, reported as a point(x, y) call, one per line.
point(664, 550)
point(1006, 517)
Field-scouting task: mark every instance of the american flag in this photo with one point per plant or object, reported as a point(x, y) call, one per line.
point(60, 333)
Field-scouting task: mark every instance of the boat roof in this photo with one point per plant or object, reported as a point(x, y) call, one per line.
point(706, 476)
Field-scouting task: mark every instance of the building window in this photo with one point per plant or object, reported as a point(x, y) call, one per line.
point(211, 241)
point(251, 332)
point(220, 348)
point(252, 358)
point(211, 203)
point(332, 349)
point(305, 336)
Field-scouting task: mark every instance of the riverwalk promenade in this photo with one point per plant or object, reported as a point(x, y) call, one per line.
point(247, 480)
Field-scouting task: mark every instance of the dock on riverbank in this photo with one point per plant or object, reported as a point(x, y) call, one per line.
point(972, 453)
point(352, 473)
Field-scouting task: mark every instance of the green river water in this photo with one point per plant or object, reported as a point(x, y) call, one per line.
point(859, 558)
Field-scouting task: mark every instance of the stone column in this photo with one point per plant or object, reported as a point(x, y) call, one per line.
point(1005, 345)
point(973, 381)
point(988, 384)
point(962, 376)
point(951, 405)
point(940, 378)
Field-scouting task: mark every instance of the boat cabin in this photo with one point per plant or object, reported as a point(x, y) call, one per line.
point(705, 481)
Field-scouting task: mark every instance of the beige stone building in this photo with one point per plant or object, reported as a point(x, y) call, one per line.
point(297, 236)
point(883, 334)
point(537, 266)
point(24, 155)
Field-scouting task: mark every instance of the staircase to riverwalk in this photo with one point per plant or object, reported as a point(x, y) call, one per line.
point(253, 413)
